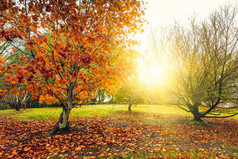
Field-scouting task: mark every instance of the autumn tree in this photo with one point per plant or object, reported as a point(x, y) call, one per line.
point(10, 56)
point(76, 46)
point(205, 63)
point(13, 56)
point(131, 92)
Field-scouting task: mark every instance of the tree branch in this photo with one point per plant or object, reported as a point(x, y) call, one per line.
point(182, 108)
point(62, 88)
point(221, 116)
point(58, 98)
point(78, 92)
point(53, 54)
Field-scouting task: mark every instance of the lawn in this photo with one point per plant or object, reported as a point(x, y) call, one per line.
point(87, 111)
point(110, 131)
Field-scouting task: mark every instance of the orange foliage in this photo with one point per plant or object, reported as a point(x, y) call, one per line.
point(84, 47)
point(48, 100)
point(2, 68)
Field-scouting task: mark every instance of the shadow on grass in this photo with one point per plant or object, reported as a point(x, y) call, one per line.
point(153, 118)
point(12, 113)
point(203, 123)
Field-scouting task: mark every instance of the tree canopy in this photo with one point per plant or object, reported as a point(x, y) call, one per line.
point(76, 46)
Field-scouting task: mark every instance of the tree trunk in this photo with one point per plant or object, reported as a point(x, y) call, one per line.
point(129, 106)
point(14, 105)
point(197, 117)
point(17, 106)
point(63, 123)
point(196, 114)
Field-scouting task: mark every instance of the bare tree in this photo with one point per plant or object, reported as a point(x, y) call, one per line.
point(206, 63)
point(158, 41)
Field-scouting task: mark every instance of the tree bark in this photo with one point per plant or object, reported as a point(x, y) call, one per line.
point(63, 123)
point(196, 114)
point(196, 117)
point(129, 106)
point(194, 109)
point(18, 106)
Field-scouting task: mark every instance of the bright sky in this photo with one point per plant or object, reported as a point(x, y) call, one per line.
point(162, 13)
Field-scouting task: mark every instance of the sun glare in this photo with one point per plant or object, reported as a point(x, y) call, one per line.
point(153, 71)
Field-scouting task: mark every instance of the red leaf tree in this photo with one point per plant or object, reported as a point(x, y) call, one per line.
point(76, 46)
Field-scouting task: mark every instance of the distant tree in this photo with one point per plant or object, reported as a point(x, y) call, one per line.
point(17, 101)
point(205, 67)
point(10, 53)
point(131, 92)
point(102, 94)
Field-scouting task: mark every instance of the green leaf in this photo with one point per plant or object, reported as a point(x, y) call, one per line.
point(51, 81)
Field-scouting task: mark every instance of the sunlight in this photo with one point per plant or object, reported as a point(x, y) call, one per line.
point(153, 73)
point(152, 70)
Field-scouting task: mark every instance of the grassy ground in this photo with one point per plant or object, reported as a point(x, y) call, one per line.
point(87, 111)
point(111, 131)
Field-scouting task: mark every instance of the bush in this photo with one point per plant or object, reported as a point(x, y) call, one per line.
point(4, 105)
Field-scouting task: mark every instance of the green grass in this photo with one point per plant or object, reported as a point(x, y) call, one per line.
point(87, 111)
point(160, 109)
point(200, 123)
point(33, 113)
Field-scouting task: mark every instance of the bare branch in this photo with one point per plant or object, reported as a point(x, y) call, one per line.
point(183, 108)
point(221, 116)
point(78, 92)
point(62, 88)
point(58, 97)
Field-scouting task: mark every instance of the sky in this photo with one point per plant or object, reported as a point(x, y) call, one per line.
point(162, 13)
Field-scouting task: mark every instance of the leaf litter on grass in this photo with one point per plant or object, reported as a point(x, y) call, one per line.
point(122, 136)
